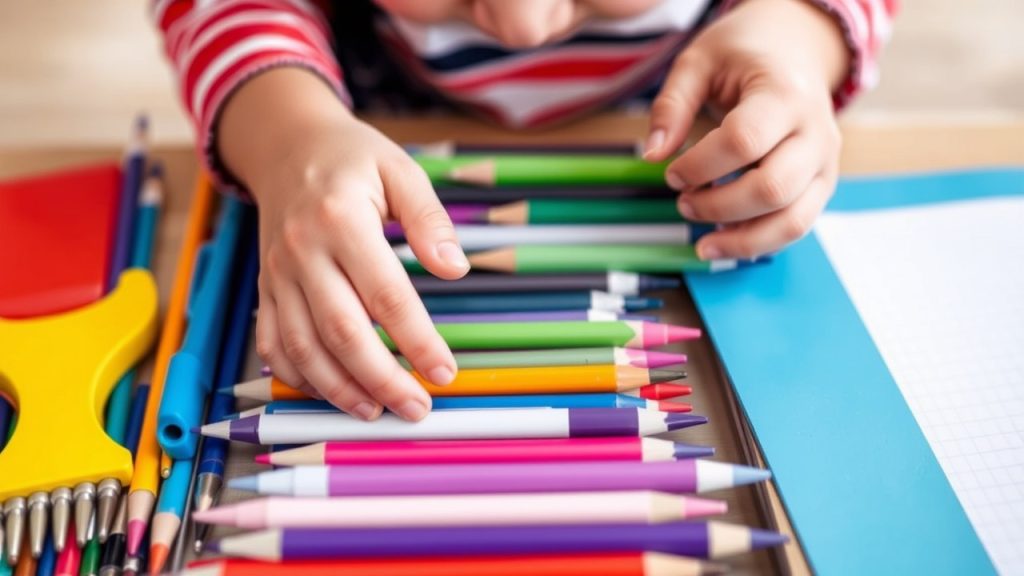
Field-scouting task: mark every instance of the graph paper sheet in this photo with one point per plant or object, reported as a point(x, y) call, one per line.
point(940, 289)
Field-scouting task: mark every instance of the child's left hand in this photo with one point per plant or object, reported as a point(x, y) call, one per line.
point(771, 66)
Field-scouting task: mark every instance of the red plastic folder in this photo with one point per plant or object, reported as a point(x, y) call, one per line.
point(56, 239)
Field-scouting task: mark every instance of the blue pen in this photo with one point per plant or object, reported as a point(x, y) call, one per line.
point(599, 400)
point(214, 450)
point(190, 373)
point(48, 559)
point(147, 215)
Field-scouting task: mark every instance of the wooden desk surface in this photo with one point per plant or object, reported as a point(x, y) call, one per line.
point(881, 148)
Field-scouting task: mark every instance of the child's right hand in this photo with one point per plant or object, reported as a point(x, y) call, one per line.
point(324, 182)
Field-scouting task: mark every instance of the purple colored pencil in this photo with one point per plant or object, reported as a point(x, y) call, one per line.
point(541, 316)
point(459, 214)
point(675, 476)
point(697, 539)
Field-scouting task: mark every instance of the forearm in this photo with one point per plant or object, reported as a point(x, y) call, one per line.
point(263, 121)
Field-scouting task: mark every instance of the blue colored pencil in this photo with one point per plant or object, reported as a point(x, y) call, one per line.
point(214, 450)
point(150, 201)
point(536, 301)
point(131, 182)
point(138, 410)
point(599, 400)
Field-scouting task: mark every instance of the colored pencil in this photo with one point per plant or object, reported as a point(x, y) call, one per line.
point(138, 409)
point(143, 491)
point(644, 258)
point(520, 335)
point(696, 539)
point(559, 211)
point(539, 316)
point(458, 213)
point(490, 237)
point(543, 170)
point(536, 301)
point(544, 380)
point(599, 400)
point(147, 214)
point(565, 357)
point(664, 391)
point(462, 510)
point(449, 148)
point(676, 476)
point(170, 510)
point(614, 282)
point(5, 568)
point(132, 170)
point(452, 425)
point(453, 193)
point(604, 564)
point(635, 448)
point(214, 450)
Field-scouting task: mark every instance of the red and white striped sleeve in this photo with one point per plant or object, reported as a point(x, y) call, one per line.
point(866, 25)
point(215, 46)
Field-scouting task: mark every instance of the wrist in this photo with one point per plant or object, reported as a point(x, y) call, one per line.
point(271, 113)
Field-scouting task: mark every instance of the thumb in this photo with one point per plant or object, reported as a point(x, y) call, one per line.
point(428, 229)
point(674, 109)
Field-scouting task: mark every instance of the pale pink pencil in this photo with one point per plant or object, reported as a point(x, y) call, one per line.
point(462, 510)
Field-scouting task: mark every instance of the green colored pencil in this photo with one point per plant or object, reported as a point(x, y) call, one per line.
point(562, 357)
point(560, 211)
point(547, 258)
point(522, 335)
point(539, 170)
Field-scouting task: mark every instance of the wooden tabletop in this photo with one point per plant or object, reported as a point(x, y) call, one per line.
point(868, 148)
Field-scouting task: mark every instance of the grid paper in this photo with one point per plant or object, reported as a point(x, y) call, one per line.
point(941, 290)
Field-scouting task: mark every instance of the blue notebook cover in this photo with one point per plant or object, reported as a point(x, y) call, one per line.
point(862, 487)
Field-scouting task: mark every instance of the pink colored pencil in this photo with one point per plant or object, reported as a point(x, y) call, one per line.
point(642, 449)
point(70, 558)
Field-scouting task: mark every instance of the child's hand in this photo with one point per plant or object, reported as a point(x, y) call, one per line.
point(770, 65)
point(324, 182)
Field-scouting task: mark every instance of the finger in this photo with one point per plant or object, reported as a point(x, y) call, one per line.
point(748, 132)
point(390, 299)
point(305, 351)
point(347, 334)
point(776, 183)
point(771, 232)
point(674, 109)
point(428, 229)
point(268, 340)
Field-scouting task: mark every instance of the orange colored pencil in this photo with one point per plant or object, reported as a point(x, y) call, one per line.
point(26, 562)
point(612, 564)
point(142, 494)
point(500, 381)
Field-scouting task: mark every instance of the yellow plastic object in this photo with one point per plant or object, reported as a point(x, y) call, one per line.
point(59, 371)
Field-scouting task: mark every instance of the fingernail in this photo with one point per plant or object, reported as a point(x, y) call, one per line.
point(365, 411)
point(441, 375)
point(654, 142)
point(674, 181)
point(708, 253)
point(413, 410)
point(686, 209)
point(452, 254)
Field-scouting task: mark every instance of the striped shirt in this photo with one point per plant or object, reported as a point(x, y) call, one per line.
point(215, 45)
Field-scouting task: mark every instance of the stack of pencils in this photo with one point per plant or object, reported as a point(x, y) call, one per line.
point(543, 456)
